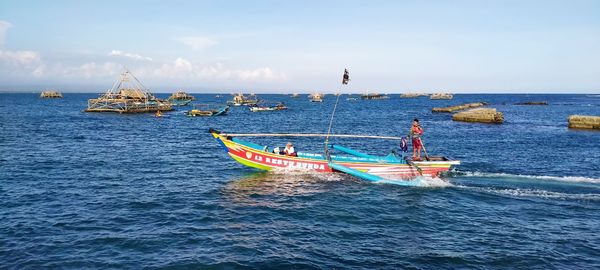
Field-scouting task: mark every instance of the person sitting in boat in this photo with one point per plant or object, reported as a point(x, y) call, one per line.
point(289, 150)
point(278, 151)
point(415, 133)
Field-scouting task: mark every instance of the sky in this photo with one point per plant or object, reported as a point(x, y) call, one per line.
point(303, 46)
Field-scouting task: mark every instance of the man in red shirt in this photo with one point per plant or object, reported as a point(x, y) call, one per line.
point(415, 133)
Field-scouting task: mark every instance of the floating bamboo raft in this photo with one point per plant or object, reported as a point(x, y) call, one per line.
point(481, 115)
point(532, 103)
point(412, 95)
point(374, 96)
point(51, 94)
point(441, 96)
point(459, 107)
point(584, 122)
point(127, 96)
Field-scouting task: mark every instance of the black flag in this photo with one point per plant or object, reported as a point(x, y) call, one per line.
point(346, 77)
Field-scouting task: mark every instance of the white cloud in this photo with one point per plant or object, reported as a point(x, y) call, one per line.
point(184, 69)
point(4, 25)
point(24, 58)
point(129, 55)
point(198, 42)
point(89, 70)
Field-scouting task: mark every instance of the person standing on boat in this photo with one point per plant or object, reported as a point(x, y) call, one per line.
point(415, 133)
point(289, 150)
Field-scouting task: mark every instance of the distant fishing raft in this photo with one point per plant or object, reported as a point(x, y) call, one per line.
point(128, 95)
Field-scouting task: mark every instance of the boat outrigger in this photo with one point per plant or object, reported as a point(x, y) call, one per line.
point(391, 168)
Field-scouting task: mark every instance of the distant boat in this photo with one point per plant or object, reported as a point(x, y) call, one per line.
point(295, 95)
point(208, 110)
point(51, 94)
point(316, 97)
point(265, 106)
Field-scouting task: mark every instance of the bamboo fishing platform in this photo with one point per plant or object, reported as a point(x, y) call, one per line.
point(128, 95)
point(480, 115)
point(51, 94)
point(241, 100)
point(459, 107)
point(584, 122)
point(181, 98)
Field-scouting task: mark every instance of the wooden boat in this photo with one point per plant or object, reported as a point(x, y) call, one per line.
point(267, 106)
point(391, 168)
point(181, 98)
point(208, 110)
point(240, 100)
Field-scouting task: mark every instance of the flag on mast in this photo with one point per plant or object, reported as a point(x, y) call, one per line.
point(346, 77)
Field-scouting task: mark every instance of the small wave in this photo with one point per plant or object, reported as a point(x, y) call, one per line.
point(535, 193)
point(573, 179)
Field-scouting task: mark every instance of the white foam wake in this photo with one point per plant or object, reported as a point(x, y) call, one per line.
point(573, 179)
point(534, 193)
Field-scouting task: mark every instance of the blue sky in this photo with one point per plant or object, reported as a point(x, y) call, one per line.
point(286, 46)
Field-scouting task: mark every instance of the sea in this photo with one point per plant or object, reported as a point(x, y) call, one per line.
point(132, 191)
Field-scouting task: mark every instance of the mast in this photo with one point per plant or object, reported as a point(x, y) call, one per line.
point(345, 80)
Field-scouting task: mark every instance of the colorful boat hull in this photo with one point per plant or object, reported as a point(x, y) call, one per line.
point(386, 168)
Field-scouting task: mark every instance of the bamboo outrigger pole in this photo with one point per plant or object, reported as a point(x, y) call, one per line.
point(310, 135)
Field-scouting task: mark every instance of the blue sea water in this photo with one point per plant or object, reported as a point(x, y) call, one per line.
point(103, 190)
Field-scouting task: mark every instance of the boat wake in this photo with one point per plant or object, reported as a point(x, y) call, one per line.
point(295, 173)
point(571, 179)
point(532, 193)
